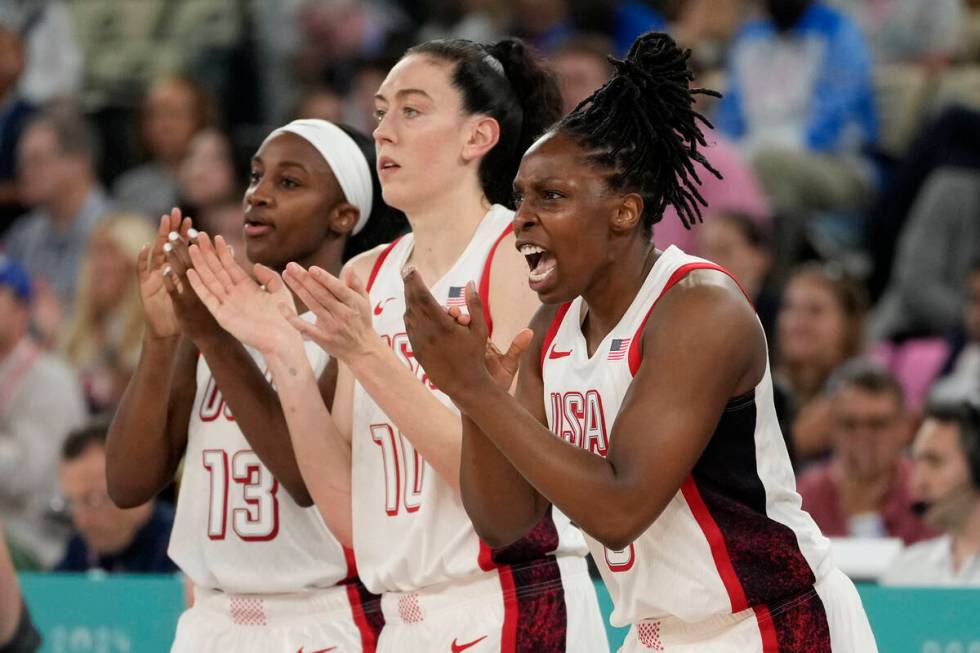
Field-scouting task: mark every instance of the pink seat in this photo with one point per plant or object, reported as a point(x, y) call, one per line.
point(916, 364)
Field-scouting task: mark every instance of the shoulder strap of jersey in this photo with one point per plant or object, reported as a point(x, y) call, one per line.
point(485, 278)
point(380, 261)
point(678, 274)
point(549, 337)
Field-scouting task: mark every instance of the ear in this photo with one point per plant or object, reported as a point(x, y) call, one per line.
point(628, 214)
point(342, 218)
point(484, 133)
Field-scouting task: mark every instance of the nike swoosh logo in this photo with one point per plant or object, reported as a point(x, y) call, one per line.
point(378, 308)
point(462, 647)
point(558, 354)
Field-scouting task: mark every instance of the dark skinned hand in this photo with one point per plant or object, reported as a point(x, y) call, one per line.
point(196, 321)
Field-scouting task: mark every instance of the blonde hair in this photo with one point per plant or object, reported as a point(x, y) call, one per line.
point(128, 232)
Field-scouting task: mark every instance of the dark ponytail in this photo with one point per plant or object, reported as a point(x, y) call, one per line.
point(642, 127)
point(385, 223)
point(508, 83)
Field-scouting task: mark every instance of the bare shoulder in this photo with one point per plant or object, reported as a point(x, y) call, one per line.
point(363, 263)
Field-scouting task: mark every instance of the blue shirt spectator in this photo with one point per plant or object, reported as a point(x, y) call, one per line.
point(807, 87)
point(146, 554)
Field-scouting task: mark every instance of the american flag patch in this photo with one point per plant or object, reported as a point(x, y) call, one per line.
point(618, 349)
point(457, 296)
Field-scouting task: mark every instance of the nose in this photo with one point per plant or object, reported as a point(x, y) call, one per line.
point(524, 218)
point(258, 194)
point(384, 132)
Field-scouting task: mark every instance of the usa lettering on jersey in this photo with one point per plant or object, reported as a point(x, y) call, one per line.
point(580, 420)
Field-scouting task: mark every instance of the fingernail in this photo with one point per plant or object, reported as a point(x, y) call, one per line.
point(173, 236)
point(168, 270)
point(407, 270)
point(167, 247)
point(192, 233)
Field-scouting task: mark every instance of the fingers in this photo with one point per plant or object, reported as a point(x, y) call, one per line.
point(268, 278)
point(340, 290)
point(455, 312)
point(354, 282)
point(512, 359)
point(313, 293)
point(475, 306)
point(204, 271)
point(143, 262)
point(211, 301)
point(229, 265)
point(171, 283)
point(418, 299)
point(177, 256)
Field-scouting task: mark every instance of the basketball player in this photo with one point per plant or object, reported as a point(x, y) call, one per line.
point(650, 367)
point(454, 118)
point(268, 574)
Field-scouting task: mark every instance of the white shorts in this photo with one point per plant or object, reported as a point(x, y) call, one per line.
point(543, 607)
point(334, 619)
point(828, 619)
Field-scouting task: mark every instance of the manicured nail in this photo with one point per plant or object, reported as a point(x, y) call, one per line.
point(167, 247)
point(173, 236)
point(407, 270)
point(192, 233)
point(168, 270)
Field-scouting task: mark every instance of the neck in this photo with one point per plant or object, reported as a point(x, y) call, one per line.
point(444, 226)
point(66, 205)
point(966, 538)
point(611, 294)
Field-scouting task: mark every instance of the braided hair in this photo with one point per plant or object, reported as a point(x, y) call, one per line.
point(642, 127)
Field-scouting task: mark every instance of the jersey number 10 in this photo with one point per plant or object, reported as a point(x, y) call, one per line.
point(401, 461)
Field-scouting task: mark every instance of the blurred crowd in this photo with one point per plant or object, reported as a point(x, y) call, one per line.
point(848, 134)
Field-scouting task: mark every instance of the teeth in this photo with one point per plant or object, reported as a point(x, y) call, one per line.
point(527, 250)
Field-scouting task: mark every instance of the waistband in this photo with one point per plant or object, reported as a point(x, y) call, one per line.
point(269, 609)
point(495, 585)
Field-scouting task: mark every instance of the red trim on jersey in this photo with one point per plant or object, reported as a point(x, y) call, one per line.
point(549, 336)
point(369, 637)
point(508, 635)
point(485, 278)
point(679, 273)
point(379, 261)
point(719, 551)
point(485, 557)
point(767, 629)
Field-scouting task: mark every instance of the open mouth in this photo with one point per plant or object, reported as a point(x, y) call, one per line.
point(386, 165)
point(255, 228)
point(540, 261)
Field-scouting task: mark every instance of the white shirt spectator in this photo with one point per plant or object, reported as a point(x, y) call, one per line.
point(930, 563)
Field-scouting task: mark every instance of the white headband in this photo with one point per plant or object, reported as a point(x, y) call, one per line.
point(343, 156)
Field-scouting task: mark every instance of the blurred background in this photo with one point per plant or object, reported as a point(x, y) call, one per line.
point(848, 134)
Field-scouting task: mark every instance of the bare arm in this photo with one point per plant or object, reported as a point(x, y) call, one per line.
point(10, 601)
point(345, 330)
point(689, 370)
point(258, 317)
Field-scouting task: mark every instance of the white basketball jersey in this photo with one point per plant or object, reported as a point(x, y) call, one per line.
point(734, 536)
point(236, 529)
point(410, 528)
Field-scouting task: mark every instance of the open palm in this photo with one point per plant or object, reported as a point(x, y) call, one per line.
point(158, 310)
point(254, 314)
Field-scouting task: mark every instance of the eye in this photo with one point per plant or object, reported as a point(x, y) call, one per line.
point(518, 198)
point(552, 195)
point(254, 177)
point(286, 182)
point(379, 114)
point(409, 112)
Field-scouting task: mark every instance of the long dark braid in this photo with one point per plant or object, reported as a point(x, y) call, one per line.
point(641, 125)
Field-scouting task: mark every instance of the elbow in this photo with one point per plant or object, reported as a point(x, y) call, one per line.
point(124, 496)
point(300, 496)
point(496, 537)
point(619, 529)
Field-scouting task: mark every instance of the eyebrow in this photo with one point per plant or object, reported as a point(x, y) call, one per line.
point(283, 164)
point(403, 93)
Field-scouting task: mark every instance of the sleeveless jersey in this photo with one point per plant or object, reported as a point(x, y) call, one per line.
point(734, 536)
point(410, 528)
point(236, 529)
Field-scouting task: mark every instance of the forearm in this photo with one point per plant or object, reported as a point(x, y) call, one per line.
point(140, 457)
point(433, 429)
point(500, 502)
point(582, 485)
point(323, 456)
point(257, 410)
point(10, 603)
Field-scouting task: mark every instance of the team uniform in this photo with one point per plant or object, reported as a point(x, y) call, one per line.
point(733, 564)
point(268, 575)
point(443, 588)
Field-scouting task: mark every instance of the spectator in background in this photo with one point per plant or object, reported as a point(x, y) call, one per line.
point(547, 23)
point(740, 244)
point(40, 402)
point(935, 251)
point(175, 109)
point(799, 100)
point(864, 489)
point(582, 66)
point(320, 102)
point(17, 633)
point(54, 60)
point(946, 482)
point(56, 161)
point(14, 112)
point(820, 325)
point(102, 341)
point(474, 20)
point(960, 374)
point(106, 537)
point(908, 31)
